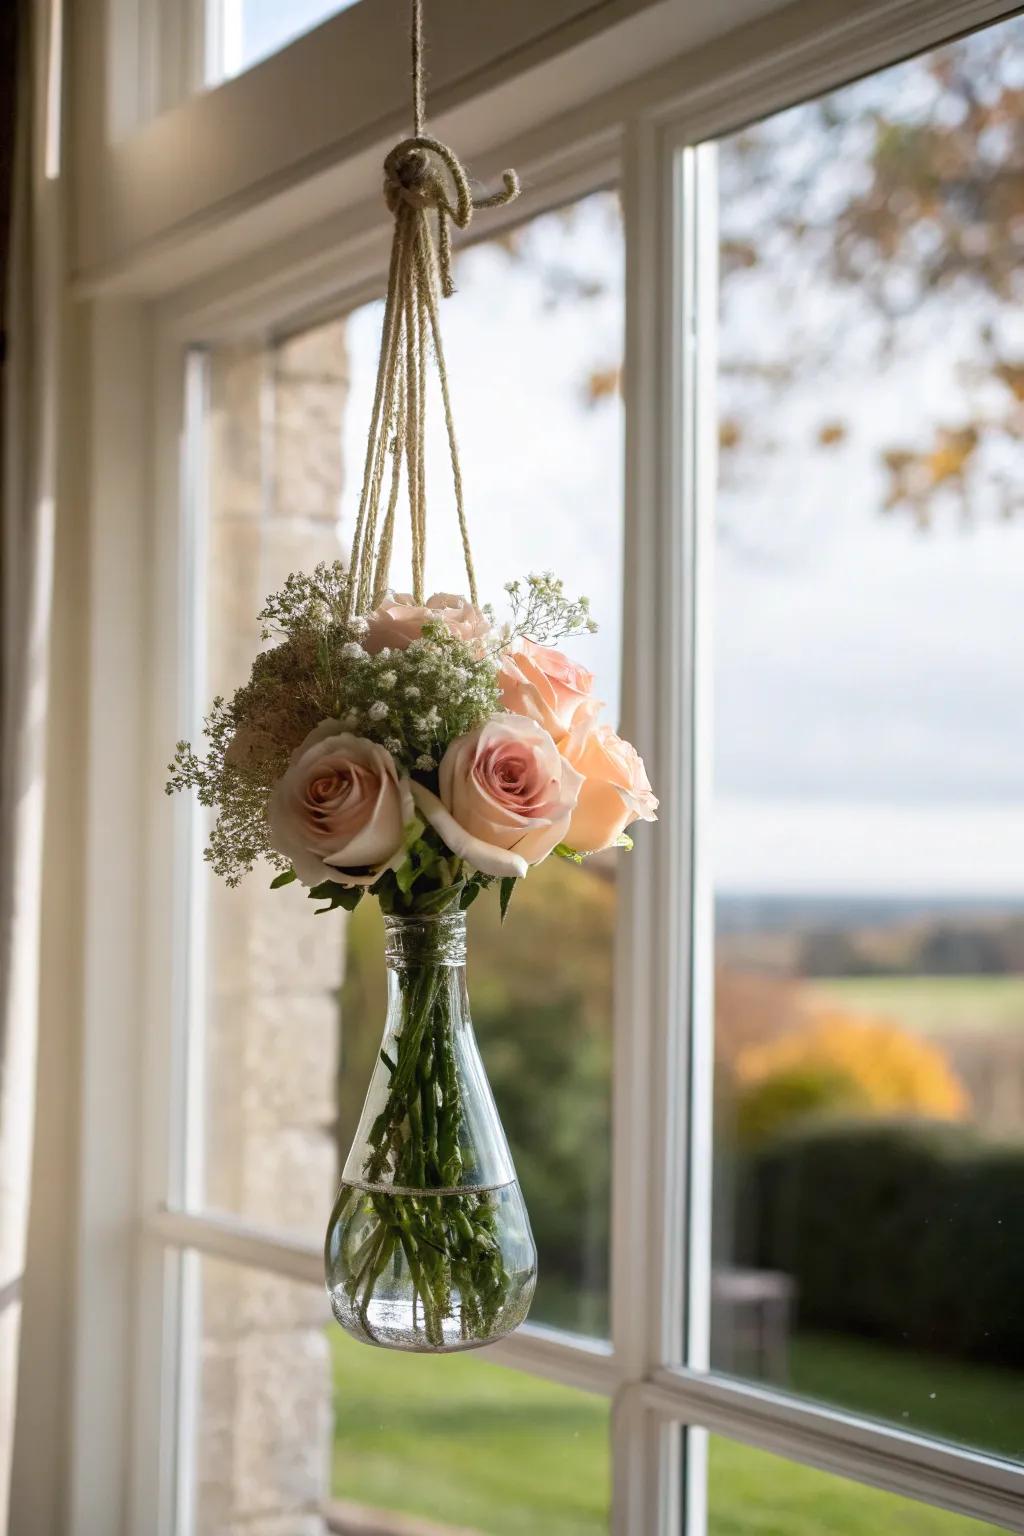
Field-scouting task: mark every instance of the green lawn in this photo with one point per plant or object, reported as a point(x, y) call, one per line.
point(936, 1005)
point(457, 1440)
point(928, 1394)
point(473, 1445)
point(753, 1494)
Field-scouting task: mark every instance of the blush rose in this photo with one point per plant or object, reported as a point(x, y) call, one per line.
point(400, 619)
point(506, 796)
point(615, 791)
point(540, 682)
point(340, 809)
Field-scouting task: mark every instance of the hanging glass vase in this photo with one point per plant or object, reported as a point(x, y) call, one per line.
point(429, 1245)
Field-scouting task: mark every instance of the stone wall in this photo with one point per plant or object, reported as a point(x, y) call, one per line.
point(263, 1419)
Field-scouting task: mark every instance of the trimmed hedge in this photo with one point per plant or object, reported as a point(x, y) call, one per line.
point(905, 1231)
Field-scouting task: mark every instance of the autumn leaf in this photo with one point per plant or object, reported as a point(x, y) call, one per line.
point(602, 384)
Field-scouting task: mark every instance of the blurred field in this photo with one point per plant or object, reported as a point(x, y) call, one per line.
point(936, 1005)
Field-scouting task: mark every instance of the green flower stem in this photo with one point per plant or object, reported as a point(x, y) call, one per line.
point(376, 1266)
point(447, 1241)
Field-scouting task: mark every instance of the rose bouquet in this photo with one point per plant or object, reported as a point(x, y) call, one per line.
point(418, 754)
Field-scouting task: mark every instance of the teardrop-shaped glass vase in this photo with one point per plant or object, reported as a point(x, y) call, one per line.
point(429, 1245)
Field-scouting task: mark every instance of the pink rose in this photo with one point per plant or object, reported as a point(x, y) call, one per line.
point(399, 620)
point(339, 811)
point(507, 796)
point(545, 685)
point(616, 790)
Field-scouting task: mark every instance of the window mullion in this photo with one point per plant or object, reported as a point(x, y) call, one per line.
point(649, 1117)
point(698, 281)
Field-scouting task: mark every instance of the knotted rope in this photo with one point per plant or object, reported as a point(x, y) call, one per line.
point(421, 175)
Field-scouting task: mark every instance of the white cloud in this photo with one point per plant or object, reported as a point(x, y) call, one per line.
point(835, 847)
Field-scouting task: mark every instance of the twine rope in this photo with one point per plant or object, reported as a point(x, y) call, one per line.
point(421, 176)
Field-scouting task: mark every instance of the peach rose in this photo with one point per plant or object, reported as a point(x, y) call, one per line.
point(616, 790)
point(340, 809)
point(545, 685)
point(507, 796)
point(399, 620)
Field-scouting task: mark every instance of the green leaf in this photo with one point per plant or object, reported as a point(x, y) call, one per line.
point(285, 878)
point(565, 852)
point(508, 885)
point(470, 895)
point(412, 832)
point(423, 856)
point(405, 876)
point(623, 841)
point(440, 900)
point(346, 896)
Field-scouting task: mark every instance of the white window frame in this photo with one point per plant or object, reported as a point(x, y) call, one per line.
point(132, 1218)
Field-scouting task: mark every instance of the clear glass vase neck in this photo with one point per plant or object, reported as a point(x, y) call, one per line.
point(429, 1067)
point(425, 940)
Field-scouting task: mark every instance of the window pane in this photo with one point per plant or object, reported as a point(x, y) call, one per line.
point(286, 1421)
point(533, 341)
point(868, 808)
point(474, 1446)
point(751, 1493)
point(256, 1401)
point(252, 30)
point(294, 1009)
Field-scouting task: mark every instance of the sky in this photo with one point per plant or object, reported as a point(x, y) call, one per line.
point(263, 26)
point(868, 674)
point(869, 736)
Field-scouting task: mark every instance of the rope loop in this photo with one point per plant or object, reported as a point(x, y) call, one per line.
point(414, 177)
